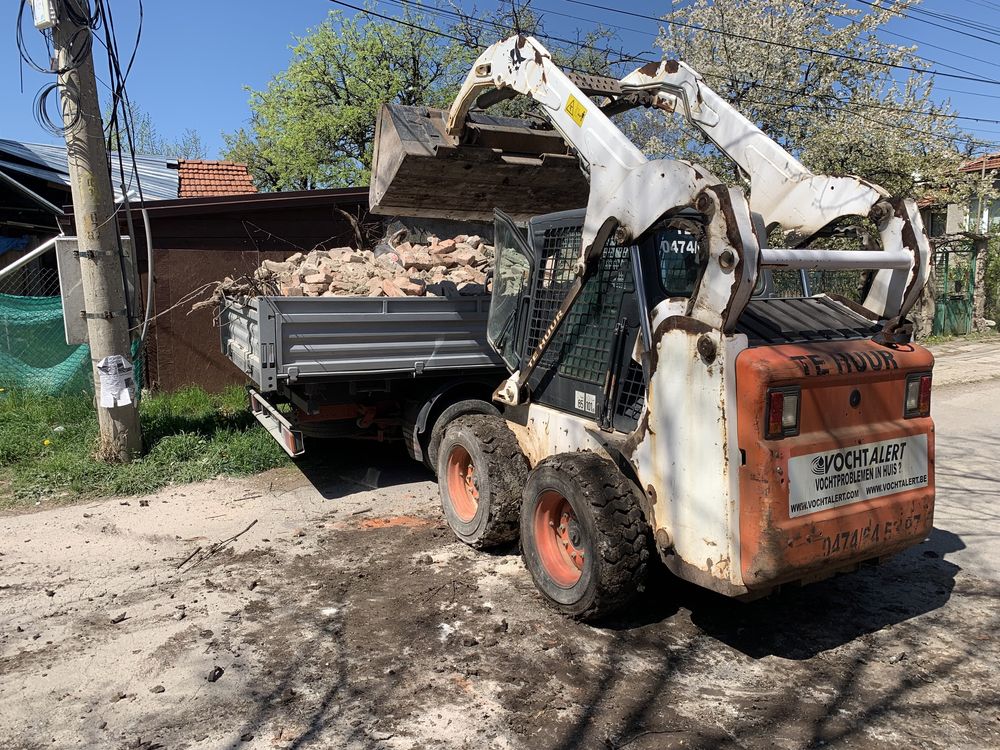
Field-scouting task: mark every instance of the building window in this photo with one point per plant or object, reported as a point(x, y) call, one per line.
point(937, 222)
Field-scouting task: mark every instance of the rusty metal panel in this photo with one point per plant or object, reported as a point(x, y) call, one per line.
point(686, 452)
point(781, 542)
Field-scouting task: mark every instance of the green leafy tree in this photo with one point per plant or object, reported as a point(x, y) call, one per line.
point(143, 137)
point(841, 115)
point(314, 123)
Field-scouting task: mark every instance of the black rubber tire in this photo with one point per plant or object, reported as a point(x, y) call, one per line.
point(501, 470)
point(452, 412)
point(612, 525)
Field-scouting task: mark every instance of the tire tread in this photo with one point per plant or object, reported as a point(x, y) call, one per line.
point(623, 545)
point(508, 472)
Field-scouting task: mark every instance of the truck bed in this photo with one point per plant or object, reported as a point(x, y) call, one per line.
point(299, 339)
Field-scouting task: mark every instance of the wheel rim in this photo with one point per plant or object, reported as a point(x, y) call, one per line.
point(462, 488)
point(559, 539)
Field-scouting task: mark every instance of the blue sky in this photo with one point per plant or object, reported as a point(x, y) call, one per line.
point(196, 57)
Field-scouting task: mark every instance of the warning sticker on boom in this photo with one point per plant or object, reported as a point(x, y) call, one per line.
point(818, 481)
point(575, 110)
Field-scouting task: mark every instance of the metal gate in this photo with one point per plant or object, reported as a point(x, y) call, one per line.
point(954, 289)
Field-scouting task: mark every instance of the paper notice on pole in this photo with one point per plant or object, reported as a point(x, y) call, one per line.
point(117, 381)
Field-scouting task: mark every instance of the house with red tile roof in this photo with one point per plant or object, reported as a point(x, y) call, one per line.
point(942, 220)
point(198, 178)
point(984, 215)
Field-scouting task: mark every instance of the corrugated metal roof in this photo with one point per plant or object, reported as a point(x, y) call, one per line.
point(157, 174)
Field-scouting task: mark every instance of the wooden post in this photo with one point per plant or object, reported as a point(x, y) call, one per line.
point(97, 237)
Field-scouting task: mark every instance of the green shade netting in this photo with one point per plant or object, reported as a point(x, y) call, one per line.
point(34, 354)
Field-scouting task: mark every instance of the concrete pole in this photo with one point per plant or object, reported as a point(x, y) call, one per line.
point(97, 231)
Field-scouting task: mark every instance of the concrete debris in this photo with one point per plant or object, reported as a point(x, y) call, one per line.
point(437, 268)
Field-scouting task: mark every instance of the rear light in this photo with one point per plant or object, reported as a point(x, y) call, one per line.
point(917, 399)
point(782, 412)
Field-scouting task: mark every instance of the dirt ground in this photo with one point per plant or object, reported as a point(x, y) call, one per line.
point(347, 616)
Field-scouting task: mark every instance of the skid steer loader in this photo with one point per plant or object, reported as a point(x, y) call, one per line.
point(662, 398)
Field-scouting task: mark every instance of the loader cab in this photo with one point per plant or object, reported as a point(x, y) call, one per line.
point(593, 367)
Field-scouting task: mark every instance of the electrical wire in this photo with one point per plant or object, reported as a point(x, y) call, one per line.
point(919, 13)
point(943, 49)
point(647, 32)
point(917, 19)
point(737, 81)
point(121, 131)
point(78, 48)
point(846, 105)
point(787, 45)
point(77, 54)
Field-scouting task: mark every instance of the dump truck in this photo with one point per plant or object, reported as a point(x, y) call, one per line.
point(659, 398)
point(378, 369)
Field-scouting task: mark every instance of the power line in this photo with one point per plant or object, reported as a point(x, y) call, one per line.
point(844, 103)
point(947, 17)
point(984, 4)
point(943, 49)
point(918, 19)
point(647, 32)
point(939, 88)
point(970, 93)
point(796, 47)
point(789, 91)
point(484, 22)
point(897, 126)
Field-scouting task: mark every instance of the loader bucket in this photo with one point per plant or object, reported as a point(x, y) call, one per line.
point(418, 170)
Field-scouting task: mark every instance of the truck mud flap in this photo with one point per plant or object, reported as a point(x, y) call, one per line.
point(276, 424)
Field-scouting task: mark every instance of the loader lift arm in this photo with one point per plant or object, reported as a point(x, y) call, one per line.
point(783, 192)
point(629, 194)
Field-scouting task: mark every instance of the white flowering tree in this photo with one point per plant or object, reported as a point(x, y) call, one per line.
point(839, 114)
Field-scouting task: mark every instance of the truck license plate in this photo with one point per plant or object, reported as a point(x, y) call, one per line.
point(829, 479)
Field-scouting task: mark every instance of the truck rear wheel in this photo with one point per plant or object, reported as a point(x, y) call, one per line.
point(481, 472)
point(583, 536)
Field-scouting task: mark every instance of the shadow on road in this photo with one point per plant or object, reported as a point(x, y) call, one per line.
point(797, 667)
point(339, 467)
point(843, 615)
point(800, 622)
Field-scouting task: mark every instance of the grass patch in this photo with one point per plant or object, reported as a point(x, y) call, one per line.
point(988, 335)
point(47, 445)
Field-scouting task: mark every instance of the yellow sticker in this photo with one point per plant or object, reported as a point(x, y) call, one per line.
point(575, 110)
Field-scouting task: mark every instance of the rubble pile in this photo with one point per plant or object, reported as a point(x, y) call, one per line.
point(440, 268)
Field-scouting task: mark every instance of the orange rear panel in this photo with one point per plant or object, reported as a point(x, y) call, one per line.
point(869, 449)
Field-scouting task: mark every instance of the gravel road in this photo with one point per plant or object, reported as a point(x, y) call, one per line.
point(347, 616)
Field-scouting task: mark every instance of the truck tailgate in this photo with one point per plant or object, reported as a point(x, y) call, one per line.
point(275, 339)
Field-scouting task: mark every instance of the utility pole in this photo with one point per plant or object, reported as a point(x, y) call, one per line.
point(97, 237)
